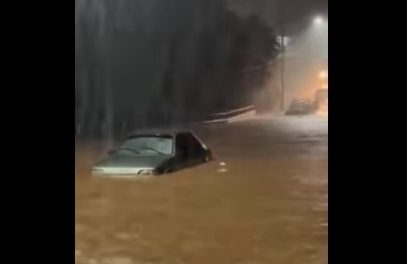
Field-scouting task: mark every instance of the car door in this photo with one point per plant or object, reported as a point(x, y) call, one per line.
point(189, 151)
point(197, 152)
point(182, 151)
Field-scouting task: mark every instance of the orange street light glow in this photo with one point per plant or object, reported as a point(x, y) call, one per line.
point(323, 75)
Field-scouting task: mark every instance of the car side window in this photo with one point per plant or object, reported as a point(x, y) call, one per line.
point(182, 146)
point(195, 146)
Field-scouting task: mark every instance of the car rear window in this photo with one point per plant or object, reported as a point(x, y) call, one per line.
point(148, 145)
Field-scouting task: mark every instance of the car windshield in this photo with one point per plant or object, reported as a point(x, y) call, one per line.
point(147, 146)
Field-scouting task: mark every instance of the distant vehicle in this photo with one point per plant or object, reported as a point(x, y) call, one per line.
point(154, 152)
point(300, 107)
point(321, 100)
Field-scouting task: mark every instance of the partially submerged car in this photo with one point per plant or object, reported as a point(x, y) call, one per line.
point(154, 152)
point(300, 107)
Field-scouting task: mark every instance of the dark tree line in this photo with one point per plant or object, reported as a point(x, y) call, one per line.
point(158, 62)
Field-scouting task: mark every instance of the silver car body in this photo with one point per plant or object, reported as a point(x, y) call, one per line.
point(121, 164)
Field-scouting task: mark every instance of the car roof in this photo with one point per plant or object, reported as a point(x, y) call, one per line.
point(159, 131)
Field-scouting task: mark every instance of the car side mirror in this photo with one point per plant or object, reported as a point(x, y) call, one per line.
point(209, 153)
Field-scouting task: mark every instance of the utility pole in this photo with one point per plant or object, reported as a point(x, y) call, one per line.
point(281, 21)
point(282, 70)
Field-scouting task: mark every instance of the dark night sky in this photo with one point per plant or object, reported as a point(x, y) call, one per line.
point(296, 13)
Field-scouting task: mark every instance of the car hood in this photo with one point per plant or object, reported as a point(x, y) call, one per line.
point(127, 161)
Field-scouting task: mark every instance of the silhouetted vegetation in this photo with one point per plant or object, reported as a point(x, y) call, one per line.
point(158, 62)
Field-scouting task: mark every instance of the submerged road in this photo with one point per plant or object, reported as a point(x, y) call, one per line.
point(263, 200)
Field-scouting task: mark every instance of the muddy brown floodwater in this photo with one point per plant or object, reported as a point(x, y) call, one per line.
point(266, 204)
